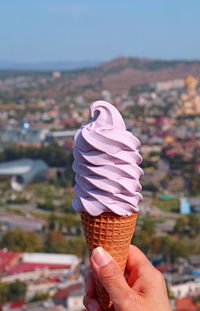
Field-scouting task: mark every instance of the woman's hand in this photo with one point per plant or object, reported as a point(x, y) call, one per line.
point(141, 289)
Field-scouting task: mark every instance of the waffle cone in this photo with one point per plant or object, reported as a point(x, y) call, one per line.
point(114, 234)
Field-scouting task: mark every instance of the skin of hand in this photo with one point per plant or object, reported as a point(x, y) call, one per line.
point(142, 288)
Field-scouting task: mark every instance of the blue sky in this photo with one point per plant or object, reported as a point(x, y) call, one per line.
point(76, 30)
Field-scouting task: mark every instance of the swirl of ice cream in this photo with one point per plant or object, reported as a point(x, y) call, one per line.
point(106, 159)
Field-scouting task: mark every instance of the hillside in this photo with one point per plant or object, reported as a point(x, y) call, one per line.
point(123, 73)
point(117, 75)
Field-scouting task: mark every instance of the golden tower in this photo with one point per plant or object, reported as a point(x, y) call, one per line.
point(191, 84)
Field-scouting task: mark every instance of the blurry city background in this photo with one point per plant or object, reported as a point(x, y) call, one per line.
point(56, 58)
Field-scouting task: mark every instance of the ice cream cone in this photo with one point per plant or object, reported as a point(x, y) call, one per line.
point(114, 234)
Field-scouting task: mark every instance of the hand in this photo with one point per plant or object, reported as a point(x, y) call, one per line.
point(141, 289)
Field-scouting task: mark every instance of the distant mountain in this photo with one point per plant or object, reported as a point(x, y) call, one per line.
point(121, 74)
point(47, 66)
point(118, 75)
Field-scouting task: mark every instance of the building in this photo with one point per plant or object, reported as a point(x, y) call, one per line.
point(195, 205)
point(168, 85)
point(60, 136)
point(70, 296)
point(194, 260)
point(184, 206)
point(10, 221)
point(184, 289)
point(8, 259)
point(185, 304)
point(23, 171)
point(189, 102)
point(27, 135)
point(37, 266)
point(190, 205)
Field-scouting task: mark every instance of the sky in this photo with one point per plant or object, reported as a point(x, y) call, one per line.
point(98, 30)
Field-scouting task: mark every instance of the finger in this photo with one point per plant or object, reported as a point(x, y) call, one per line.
point(142, 272)
point(138, 265)
point(136, 259)
point(111, 276)
point(89, 285)
point(91, 304)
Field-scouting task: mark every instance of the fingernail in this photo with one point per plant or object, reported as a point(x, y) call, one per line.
point(100, 257)
point(91, 307)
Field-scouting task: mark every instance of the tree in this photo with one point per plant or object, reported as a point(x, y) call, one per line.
point(196, 299)
point(4, 288)
point(180, 224)
point(149, 227)
point(77, 246)
point(52, 219)
point(20, 241)
point(169, 293)
point(178, 249)
point(142, 240)
point(166, 245)
point(17, 291)
point(39, 297)
point(70, 221)
point(67, 206)
point(55, 242)
point(162, 245)
point(47, 205)
point(53, 155)
point(193, 221)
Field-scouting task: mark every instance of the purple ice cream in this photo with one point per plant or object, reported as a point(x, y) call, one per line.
point(106, 163)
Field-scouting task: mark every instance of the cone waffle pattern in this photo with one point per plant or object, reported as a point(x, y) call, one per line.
point(114, 234)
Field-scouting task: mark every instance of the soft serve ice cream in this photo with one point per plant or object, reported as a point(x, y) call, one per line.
point(106, 163)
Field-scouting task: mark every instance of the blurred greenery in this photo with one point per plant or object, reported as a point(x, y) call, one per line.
point(171, 205)
point(66, 222)
point(39, 297)
point(57, 243)
point(167, 246)
point(20, 241)
point(47, 205)
point(12, 292)
point(17, 291)
point(53, 155)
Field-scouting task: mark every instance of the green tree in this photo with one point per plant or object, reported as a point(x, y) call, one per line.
point(77, 246)
point(17, 291)
point(162, 245)
point(18, 240)
point(69, 222)
point(4, 288)
point(67, 206)
point(142, 240)
point(193, 221)
point(196, 299)
point(39, 297)
point(178, 249)
point(149, 227)
point(180, 224)
point(166, 245)
point(55, 242)
point(52, 219)
point(169, 293)
point(47, 205)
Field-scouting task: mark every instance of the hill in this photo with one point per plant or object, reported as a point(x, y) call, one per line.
point(117, 75)
point(123, 73)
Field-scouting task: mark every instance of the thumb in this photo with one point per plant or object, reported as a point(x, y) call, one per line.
point(110, 275)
